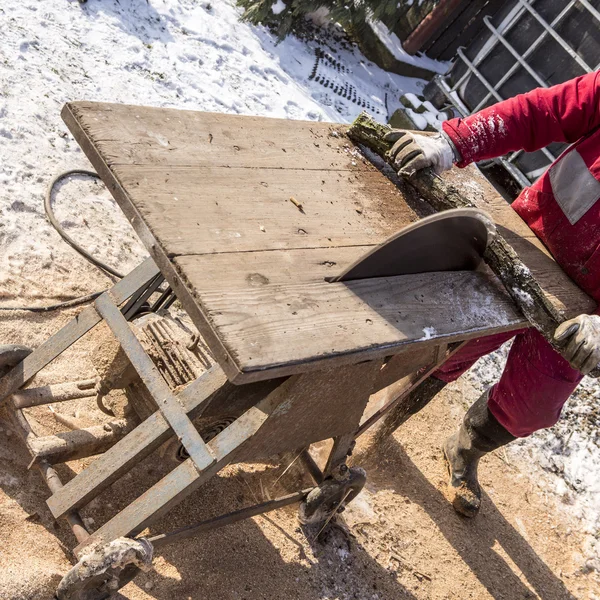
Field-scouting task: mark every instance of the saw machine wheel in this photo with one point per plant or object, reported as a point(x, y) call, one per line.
point(332, 495)
point(99, 575)
point(208, 429)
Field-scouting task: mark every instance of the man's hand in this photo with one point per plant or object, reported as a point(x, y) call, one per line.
point(412, 152)
point(580, 342)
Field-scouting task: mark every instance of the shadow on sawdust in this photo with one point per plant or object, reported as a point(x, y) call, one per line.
point(241, 561)
point(473, 539)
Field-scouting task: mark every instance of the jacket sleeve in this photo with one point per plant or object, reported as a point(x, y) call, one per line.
point(562, 113)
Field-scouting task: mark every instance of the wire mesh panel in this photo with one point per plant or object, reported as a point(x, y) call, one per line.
point(527, 44)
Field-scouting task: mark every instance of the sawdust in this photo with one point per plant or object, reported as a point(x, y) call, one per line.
point(399, 539)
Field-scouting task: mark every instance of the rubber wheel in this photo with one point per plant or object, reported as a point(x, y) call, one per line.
point(327, 497)
point(11, 355)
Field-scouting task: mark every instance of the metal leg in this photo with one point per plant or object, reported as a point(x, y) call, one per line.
point(135, 303)
point(155, 383)
point(342, 448)
point(164, 539)
point(184, 479)
point(146, 438)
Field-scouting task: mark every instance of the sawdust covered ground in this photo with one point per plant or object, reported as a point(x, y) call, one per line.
point(400, 538)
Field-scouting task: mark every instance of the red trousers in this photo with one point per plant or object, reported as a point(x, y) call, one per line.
point(534, 386)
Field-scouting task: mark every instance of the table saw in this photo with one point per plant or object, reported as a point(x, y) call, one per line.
point(249, 222)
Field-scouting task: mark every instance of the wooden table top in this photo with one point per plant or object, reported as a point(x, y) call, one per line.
point(246, 216)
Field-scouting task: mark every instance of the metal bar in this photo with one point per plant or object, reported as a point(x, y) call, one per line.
point(170, 301)
point(185, 478)
point(156, 385)
point(161, 299)
point(60, 392)
point(72, 331)
point(512, 50)
point(452, 96)
point(184, 533)
point(48, 473)
point(506, 25)
point(484, 81)
point(131, 308)
point(342, 445)
point(312, 467)
point(557, 37)
point(140, 443)
point(79, 443)
point(590, 8)
point(515, 172)
point(515, 155)
point(73, 518)
point(493, 92)
point(530, 50)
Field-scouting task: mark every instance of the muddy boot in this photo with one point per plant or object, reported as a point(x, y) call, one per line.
point(412, 404)
point(479, 434)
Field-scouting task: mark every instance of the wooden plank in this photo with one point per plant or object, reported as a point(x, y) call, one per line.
point(471, 29)
point(142, 135)
point(448, 38)
point(250, 270)
point(157, 387)
point(285, 328)
point(259, 299)
point(192, 210)
point(141, 442)
point(72, 331)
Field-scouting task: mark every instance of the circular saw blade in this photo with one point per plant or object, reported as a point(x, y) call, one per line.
point(453, 240)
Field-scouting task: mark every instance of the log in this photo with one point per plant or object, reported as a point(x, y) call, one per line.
point(500, 256)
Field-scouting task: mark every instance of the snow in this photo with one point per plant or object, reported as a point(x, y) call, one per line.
point(394, 45)
point(176, 53)
point(418, 119)
point(278, 7)
point(428, 333)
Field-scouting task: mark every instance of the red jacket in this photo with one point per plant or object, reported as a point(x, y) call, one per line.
point(563, 206)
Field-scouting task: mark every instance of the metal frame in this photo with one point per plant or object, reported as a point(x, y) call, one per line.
point(122, 444)
point(498, 37)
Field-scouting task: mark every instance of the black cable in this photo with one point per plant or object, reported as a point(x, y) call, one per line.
point(50, 307)
point(55, 223)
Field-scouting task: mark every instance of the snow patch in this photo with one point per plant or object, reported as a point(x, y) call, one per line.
point(428, 332)
point(278, 7)
point(394, 45)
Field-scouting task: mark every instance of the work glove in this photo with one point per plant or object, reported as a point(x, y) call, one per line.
point(579, 339)
point(412, 152)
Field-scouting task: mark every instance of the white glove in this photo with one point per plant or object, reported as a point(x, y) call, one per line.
point(581, 339)
point(412, 152)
